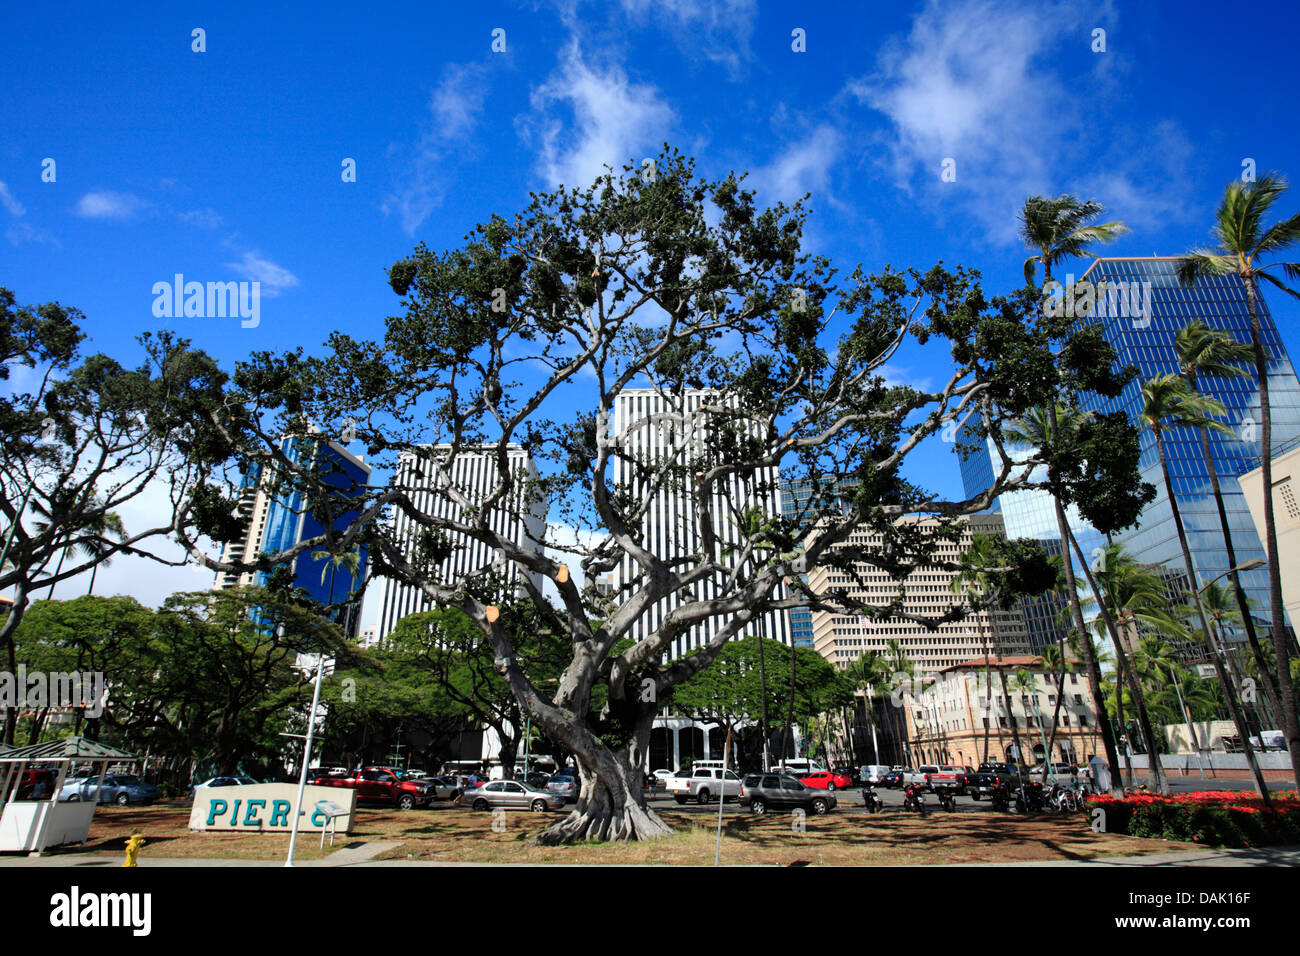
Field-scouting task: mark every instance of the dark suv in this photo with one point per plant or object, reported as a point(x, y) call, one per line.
point(758, 791)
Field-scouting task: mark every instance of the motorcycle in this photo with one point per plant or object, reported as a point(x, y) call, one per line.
point(1000, 798)
point(872, 800)
point(914, 798)
point(1029, 798)
point(946, 800)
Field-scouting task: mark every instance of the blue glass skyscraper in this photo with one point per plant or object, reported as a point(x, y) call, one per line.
point(290, 519)
point(1146, 340)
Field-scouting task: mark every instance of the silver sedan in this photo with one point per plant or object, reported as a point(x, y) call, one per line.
point(511, 795)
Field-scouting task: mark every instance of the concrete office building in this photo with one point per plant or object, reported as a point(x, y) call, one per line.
point(651, 427)
point(842, 638)
point(1286, 517)
point(473, 473)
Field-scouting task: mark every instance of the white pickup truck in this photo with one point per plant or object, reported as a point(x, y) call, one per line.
point(704, 783)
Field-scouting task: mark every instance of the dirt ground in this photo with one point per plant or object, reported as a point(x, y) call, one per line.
point(846, 837)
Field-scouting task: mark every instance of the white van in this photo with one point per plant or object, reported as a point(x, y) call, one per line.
point(872, 773)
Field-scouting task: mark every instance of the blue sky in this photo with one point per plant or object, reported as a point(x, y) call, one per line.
point(226, 164)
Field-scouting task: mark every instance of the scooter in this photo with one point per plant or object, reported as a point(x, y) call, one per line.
point(946, 800)
point(872, 799)
point(914, 798)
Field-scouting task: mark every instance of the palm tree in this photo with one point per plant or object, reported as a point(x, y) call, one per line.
point(90, 541)
point(1056, 663)
point(1170, 398)
point(1039, 429)
point(1026, 686)
point(349, 562)
point(1222, 609)
point(1242, 242)
point(974, 579)
point(1205, 351)
point(1063, 228)
point(1133, 596)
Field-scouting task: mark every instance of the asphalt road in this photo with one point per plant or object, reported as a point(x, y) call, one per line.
point(893, 799)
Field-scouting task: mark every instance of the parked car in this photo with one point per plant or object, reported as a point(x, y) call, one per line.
point(894, 779)
point(116, 788)
point(826, 780)
point(873, 773)
point(661, 777)
point(382, 785)
point(844, 770)
point(534, 778)
point(565, 786)
point(703, 783)
point(511, 795)
point(226, 782)
point(950, 777)
point(919, 776)
point(1058, 769)
point(763, 791)
point(38, 784)
point(442, 788)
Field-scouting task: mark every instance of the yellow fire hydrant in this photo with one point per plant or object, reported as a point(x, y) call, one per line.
point(132, 848)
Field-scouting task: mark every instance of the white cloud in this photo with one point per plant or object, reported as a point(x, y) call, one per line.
point(273, 277)
point(718, 31)
point(804, 166)
point(110, 205)
point(455, 107)
point(9, 202)
point(971, 82)
point(611, 120)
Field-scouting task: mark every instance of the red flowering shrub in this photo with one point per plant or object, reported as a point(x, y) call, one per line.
point(1218, 817)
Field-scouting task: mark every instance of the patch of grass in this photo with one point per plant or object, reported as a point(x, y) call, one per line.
point(846, 837)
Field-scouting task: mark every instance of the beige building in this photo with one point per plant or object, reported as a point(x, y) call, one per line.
point(1286, 515)
point(843, 638)
point(948, 711)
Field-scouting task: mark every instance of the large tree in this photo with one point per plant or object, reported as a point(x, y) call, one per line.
point(81, 437)
point(764, 357)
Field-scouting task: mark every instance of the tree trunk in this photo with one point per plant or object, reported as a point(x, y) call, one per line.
point(1247, 619)
point(1154, 768)
point(1238, 718)
point(611, 804)
point(1281, 646)
point(1085, 641)
point(1119, 719)
point(7, 637)
point(1056, 713)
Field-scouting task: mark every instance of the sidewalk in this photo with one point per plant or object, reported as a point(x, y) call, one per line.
point(364, 856)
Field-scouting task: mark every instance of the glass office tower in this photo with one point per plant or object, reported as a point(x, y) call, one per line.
point(1031, 514)
point(289, 520)
point(1146, 340)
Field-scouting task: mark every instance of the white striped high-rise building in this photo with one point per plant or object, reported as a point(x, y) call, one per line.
point(651, 425)
point(474, 475)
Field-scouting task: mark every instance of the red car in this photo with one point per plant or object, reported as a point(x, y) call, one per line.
point(825, 780)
